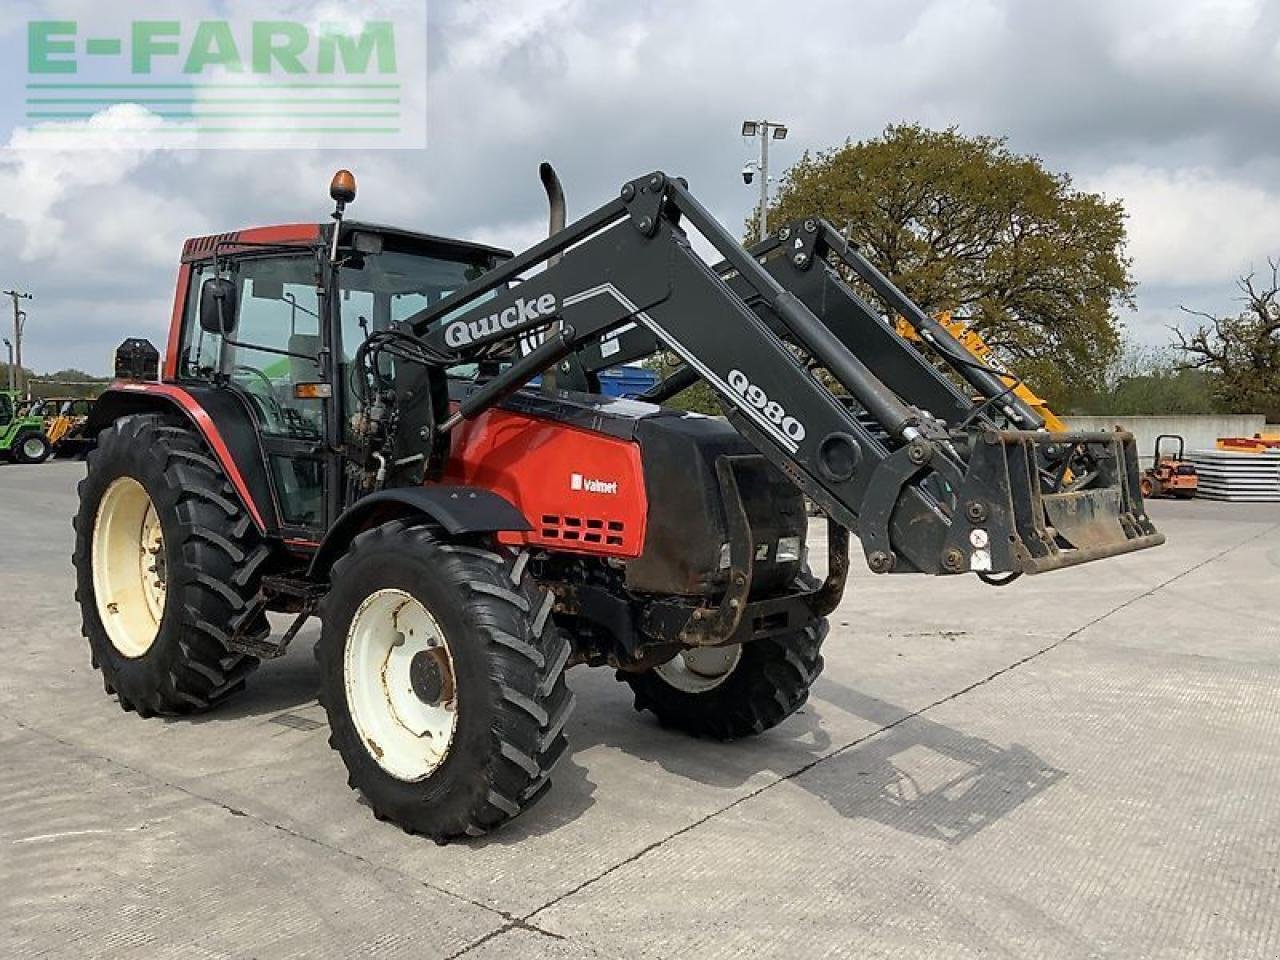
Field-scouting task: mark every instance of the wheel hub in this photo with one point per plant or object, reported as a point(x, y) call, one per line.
point(700, 669)
point(400, 684)
point(430, 677)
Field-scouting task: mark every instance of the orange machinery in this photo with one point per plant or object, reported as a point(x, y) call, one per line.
point(1170, 476)
point(981, 350)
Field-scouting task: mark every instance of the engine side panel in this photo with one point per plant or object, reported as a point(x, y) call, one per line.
point(586, 470)
point(583, 492)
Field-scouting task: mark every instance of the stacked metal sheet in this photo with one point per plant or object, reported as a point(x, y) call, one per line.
point(1241, 477)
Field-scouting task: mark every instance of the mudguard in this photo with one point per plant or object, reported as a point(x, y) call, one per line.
point(458, 509)
point(222, 418)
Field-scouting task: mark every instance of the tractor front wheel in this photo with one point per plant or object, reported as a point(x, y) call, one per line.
point(166, 561)
point(725, 693)
point(442, 675)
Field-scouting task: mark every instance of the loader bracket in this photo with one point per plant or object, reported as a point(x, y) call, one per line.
point(875, 524)
point(644, 198)
point(708, 626)
point(733, 620)
point(800, 240)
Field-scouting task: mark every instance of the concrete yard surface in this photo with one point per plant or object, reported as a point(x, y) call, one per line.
point(1080, 765)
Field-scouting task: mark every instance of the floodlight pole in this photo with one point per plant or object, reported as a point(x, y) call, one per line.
point(765, 130)
point(19, 321)
point(764, 181)
point(9, 343)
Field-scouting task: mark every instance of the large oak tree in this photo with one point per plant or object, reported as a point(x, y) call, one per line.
point(963, 224)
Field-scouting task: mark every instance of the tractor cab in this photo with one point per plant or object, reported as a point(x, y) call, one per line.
point(268, 328)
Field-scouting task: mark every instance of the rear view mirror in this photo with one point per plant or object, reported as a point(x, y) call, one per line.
point(218, 306)
point(368, 243)
point(265, 289)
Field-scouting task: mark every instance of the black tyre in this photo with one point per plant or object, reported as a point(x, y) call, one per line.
point(31, 448)
point(443, 679)
point(725, 693)
point(166, 561)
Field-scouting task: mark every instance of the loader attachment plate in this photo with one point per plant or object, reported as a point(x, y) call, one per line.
point(1086, 519)
point(1035, 501)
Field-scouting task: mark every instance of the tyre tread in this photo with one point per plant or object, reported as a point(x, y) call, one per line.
point(527, 658)
point(777, 673)
point(214, 533)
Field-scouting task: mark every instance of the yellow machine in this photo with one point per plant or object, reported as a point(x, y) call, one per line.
point(64, 419)
point(980, 350)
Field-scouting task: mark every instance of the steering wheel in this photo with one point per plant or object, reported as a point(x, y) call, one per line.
point(276, 411)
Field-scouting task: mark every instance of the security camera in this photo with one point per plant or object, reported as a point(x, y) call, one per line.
point(748, 173)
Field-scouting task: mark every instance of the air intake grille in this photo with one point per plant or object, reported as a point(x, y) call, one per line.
point(582, 529)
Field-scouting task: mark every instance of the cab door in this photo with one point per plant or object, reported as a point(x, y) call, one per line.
point(278, 345)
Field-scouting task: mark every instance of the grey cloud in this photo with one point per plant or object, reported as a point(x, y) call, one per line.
point(611, 90)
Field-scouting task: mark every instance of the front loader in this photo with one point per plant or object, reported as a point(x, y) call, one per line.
point(343, 427)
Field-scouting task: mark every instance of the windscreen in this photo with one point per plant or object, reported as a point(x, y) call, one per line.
point(378, 290)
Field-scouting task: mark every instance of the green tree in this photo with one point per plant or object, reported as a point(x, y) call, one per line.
point(1241, 352)
point(4, 376)
point(699, 398)
point(69, 383)
point(1147, 381)
point(963, 224)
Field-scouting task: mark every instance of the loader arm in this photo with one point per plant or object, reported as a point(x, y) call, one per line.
point(922, 495)
point(802, 257)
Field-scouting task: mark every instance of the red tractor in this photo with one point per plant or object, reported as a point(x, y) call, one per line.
point(343, 426)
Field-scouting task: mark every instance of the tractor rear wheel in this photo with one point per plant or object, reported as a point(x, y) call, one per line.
point(725, 693)
point(31, 448)
point(442, 675)
point(166, 561)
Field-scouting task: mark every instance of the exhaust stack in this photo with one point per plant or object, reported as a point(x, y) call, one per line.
point(556, 207)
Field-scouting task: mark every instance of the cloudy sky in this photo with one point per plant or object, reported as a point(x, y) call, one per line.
point(1169, 105)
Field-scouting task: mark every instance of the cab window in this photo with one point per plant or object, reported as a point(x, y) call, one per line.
point(198, 358)
point(279, 311)
point(275, 345)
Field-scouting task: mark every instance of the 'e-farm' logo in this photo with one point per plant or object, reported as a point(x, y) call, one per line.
point(263, 82)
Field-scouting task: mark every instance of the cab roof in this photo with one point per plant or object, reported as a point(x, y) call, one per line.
point(199, 249)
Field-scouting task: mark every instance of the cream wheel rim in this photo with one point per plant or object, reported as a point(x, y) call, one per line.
point(700, 669)
point(129, 567)
point(400, 686)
